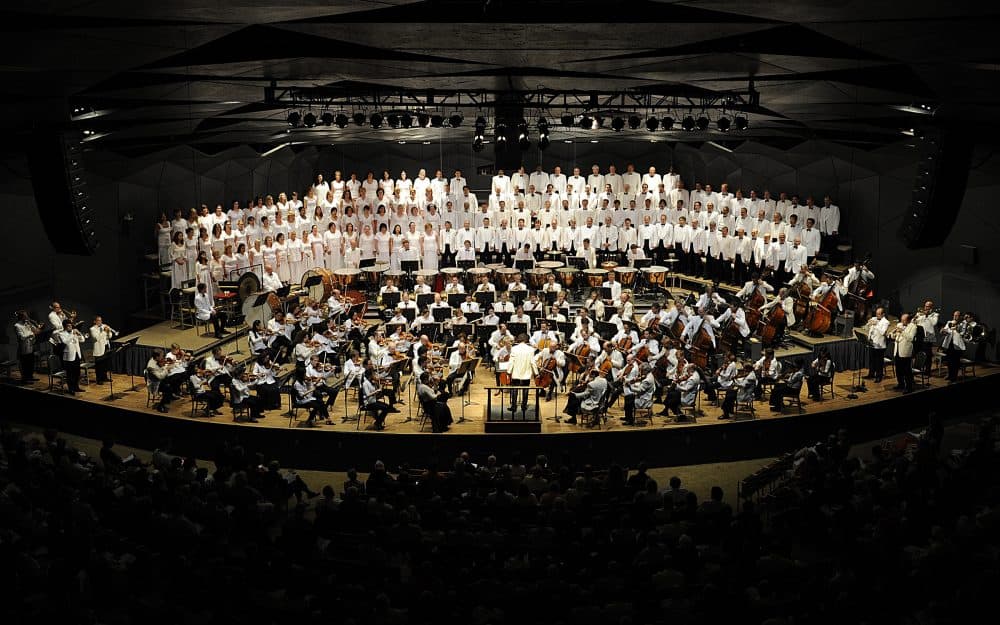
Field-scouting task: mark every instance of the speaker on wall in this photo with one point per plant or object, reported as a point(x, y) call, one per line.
point(942, 172)
point(57, 176)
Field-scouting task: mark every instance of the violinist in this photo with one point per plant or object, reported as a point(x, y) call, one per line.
point(218, 369)
point(746, 385)
point(320, 374)
point(239, 392)
point(820, 373)
point(638, 390)
point(586, 395)
point(434, 403)
point(684, 392)
point(353, 370)
point(789, 386)
point(723, 381)
point(203, 392)
point(305, 397)
point(551, 359)
point(399, 318)
point(257, 337)
point(768, 369)
point(266, 384)
point(424, 319)
point(543, 336)
point(176, 362)
point(156, 371)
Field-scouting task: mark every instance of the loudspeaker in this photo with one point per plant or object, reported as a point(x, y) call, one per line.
point(56, 168)
point(942, 173)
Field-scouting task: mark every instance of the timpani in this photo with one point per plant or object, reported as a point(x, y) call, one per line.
point(567, 275)
point(609, 265)
point(452, 271)
point(551, 265)
point(596, 277)
point(375, 274)
point(345, 277)
point(655, 276)
point(505, 276)
point(476, 273)
point(538, 277)
point(626, 275)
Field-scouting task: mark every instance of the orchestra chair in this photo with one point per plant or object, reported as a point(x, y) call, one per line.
point(938, 362)
point(920, 375)
point(196, 404)
point(598, 414)
point(179, 311)
point(57, 375)
point(239, 410)
point(7, 366)
point(294, 404)
point(643, 417)
point(152, 389)
point(823, 386)
point(423, 415)
point(967, 368)
point(888, 367)
point(202, 323)
point(794, 400)
point(363, 411)
point(85, 367)
point(745, 409)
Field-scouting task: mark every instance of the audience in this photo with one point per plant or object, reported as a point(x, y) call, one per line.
point(907, 536)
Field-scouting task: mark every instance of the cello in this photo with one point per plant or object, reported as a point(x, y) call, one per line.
point(820, 316)
point(546, 375)
point(773, 326)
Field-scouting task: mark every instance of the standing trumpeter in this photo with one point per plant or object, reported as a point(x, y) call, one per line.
point(101, 334)
point(27, 330)
point(71, 340)
point(953, 344)
point(927, 319)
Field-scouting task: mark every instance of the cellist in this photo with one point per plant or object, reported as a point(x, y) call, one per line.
point(551, 361)
point(755, 286)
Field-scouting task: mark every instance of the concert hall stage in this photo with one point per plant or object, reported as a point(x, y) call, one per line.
point(878, 412)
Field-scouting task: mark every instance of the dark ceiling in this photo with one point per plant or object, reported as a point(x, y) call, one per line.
point(170, 72)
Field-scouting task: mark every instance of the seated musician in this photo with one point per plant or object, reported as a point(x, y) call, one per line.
point(335, 304)
point(684, 392)
point(615, 286)
point(434, 403)
point(787, 303)
point(485, 285)
point(651, 343)
point(490, 318)
point(859, 271)
point(626, 335)
point(470, 305)
point(826, 285)
point(674, 313)
point(457, 318)
point(454, 286)
point(353, 370)
point(425, 318)
point(768, 369)
point(520, 317)
point(789, 386)
point(709, 299)
point(421, 287)
point(203, 392)
point(735, 314)
point(609, 354)
point(543, 336)
point(304, 350)
point(218, 369)
point(820, 374)
point(586, 396)
point(595, 305)
point(305, 397)
point(653, 317)
point(354, 329)
point(265, 383)
point(517, 284)
point(533, 304)
point(584, 337)
point(281, 332)
point(467, 253)
point(390, 287)
point(320, 374)
point(406, 302)
point(239, 392)
point(205, 310)
point(371, 393)
point(546, 354)
point(625, 306)
point(271, 281)
point(555, 314)
point(156, 372)
point(399, 317)
point(438, 302)
point(563, 303)
point(459, 383)
point(177, 363)
point(501, 354)
point(804, 276)
point(745, 387)
point(258, 337)
point(634, 253)
point(695, 323)
point(754, 284)
point(551, 286)
point(725, 377)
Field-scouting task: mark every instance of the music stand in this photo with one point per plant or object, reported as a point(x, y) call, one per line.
point(473, 316)
point(606, 292)
point(605, 330)
point(642, 263)
point(312, 281)
point(550, 297)
point(459, 328)
point(504, 316)
point(524, 265)
point(366, 262)
point(534, 315)
point(391, 299)
point(409, 266)
point(518, 297)
point(468, 367)
point(485, 298)
point(577, 261)
point(517, 327)
point(392, 328)
point(566, 328)
point(122, 348)
point(455, 299)
point(441, 313)
point(860, 387)
point(466, 264)
point(410, 314)
point(261, 300)
point(424, 300)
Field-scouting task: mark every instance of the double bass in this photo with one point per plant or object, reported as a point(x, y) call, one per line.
point(751, 307)
point(773, 325)
point(701, 346)
point(820, 316)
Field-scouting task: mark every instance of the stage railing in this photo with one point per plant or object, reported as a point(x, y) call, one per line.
point(511, 400)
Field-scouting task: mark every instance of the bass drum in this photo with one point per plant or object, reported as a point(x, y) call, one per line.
point(322, 291)
point(262, 313)
point(247, 285)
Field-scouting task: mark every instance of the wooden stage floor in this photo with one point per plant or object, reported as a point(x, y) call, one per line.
point(180, 409)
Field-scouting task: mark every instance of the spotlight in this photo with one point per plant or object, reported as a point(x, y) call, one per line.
point(633, 122)
point(617, 124)
point(598, 122)
point(500, 137)
point(455, 120)
point(393, 120)
point(742, 123)
point(405, 120)
point(667, 123)
point(522, 137)
point(309, 119)
point(437, 121)
point(688, 123)
point(723, 124)
point(341, 120)
point(703, 123)
point(359, 119)
point(567, 120)
point(543, 142)
point(376, 120)
point(423, 120)
point(586, 122)
point(652, 124)
point(294, 118)
point(327, 118)
point(477, 144)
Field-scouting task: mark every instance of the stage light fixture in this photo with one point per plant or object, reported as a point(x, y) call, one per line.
point(477, 144)
point(742, 123)
point(543, 142)
point(703, 123)
point(423, 120)
point(617, 124)
point(455, 120)
point(393, 120)
point(688, 123)
point(294, 118)
point(652, 124)
point(667, 122)
point(586, 122)
point(341, 120)
point(723, 124)
point(309, 119)
point(437, 121)
point(376, 120)
point(522, 136)
point(405, 120)
point(359, 119)
point(567, 120)
point(633, 122)
point(500, 137)
point(598, 122)
point(327, 118)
